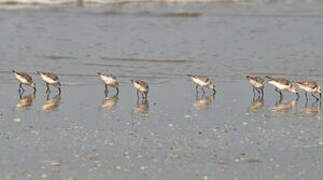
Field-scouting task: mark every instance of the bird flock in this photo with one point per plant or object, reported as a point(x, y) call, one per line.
point(281, 85)
point(142, 87)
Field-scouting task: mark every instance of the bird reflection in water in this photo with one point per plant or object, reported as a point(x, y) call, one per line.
point(312, 111)
point(256, 104)
point(24, 102)
point(284, 107)
point(142, 107)
point(109, 102)
point(203, 102)
point(51, 104)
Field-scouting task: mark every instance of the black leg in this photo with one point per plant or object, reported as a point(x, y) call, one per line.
point(59, 91)
point(196, 89)
point(34, 90)
point(137, 94)
point(20, 89)
point(203, 90)
point(306, 96)
point(279, 101)
point(214, 91)
point(117, 91)
point(20, 94)
point(258, 91)
point(262, 93)
point(279, 91)
point(315, 97)
point(47, 90)
point(106, 90)
point(297, 96)
point(253, 92)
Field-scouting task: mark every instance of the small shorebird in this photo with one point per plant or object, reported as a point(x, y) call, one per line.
point(109, 80)
point(257, 83)
point(202, 81)
point(282, 85)
point(141, 87)
point(25, 79)
point(311, 87)
point(50, 79)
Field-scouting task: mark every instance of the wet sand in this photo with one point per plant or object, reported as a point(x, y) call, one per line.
point(173, 135)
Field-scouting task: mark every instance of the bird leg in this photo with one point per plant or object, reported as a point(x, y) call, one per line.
point(47, 90)
point(203, 90)
point(20, 89)
point(214, 91)
point(137, 94)
point(279, 91)
point(117, 91)
point(315, 97)
point(262, 93)
point(106, 90)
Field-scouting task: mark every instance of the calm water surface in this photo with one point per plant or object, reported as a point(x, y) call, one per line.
point(174, 134)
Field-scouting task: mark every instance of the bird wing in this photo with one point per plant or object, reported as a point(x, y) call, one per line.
point(52, 76)
point(256, 78)
point(26, 76)
point(280, 80)
point(203, 78)
point(142, 83)
point(311, 84)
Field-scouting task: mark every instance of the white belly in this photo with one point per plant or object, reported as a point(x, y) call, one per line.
point(278, 85)
point(48, 80)
point(199, 82)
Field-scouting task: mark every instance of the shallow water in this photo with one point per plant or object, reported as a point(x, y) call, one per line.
point(173, 135)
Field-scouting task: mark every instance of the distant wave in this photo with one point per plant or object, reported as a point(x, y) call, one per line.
point(85, 2)
point(57, 2)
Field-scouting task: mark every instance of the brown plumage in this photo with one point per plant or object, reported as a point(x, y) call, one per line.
point(310, 86)
point(257, 83)
point(25, 79)
point(109, 80)
point(50, 79)
point(202, 81)
point(141, 86)
point(282, 85)
point(279, 80)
